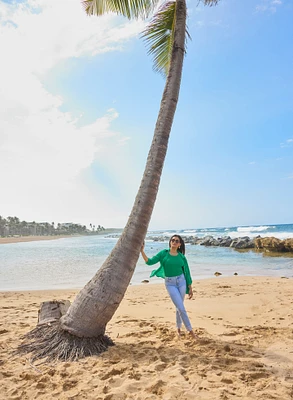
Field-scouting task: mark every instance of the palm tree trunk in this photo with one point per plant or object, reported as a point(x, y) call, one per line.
point(97, 302)
point(81, 331)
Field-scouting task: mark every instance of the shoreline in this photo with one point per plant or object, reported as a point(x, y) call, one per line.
point(36, 238)
point(245, 327)
point(158, 284)
point(22, 239)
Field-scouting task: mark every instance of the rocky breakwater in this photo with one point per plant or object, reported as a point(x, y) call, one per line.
point(225, 241)
point(265, 244)
point(275, 245)
point(244, 242)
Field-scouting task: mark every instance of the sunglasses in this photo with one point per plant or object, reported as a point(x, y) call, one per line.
point(175, 240)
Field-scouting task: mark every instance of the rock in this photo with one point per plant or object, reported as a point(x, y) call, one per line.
point(207, 241)
point(235, 273)
point(288, 243)
point(225, 241)
point(217, 273)
point(242, 243)
point(145, 281)
point(272, 244)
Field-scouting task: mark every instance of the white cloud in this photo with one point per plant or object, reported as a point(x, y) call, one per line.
point(287, 143)
point(58, 31)
point(200, 24)
point(269, 6)
point(123, 141)
point(290, 176)
point(251, 163)
point(42, 150)
point(44, 157)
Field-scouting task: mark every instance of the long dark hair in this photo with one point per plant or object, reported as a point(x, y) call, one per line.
point(182, 244)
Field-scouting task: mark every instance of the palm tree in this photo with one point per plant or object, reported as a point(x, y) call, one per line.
point(81, 331)
point(23, 226)
point(3, 223)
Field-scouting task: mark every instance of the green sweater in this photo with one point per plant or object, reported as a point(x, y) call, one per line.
point(160, 272)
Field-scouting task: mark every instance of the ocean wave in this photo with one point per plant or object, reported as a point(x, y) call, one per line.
point(278, 235)
point(254, 228)
point(169, 233)
point(278, 231)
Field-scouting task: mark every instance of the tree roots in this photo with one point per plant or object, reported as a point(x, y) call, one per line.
point(52, 343)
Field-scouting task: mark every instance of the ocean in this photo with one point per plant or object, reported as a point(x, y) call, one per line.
point(283, 231)
point(72, 262)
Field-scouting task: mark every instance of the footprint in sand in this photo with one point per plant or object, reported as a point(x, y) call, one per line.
point(27, 377)
point(134, 375)
point(226, 380)
point(41, 385)
point(157, 388)
point(67, 385)
point(23, 324)
point(113, 372)
point(161, 367)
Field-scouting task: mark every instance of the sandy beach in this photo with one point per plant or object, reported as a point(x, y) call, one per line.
point(245, 350)
point(21, 239)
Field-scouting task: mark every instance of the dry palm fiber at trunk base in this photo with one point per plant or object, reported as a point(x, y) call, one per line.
point(52, 311)
point(49, 341)
point(52, 343)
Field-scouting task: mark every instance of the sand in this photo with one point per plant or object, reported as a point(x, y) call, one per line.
point(245, 350)
point(19, 239)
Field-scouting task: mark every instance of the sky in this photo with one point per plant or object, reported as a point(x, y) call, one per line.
point(79, 101)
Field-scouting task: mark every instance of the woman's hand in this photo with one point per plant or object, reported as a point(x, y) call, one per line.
point(190, 292)
point(144, 256)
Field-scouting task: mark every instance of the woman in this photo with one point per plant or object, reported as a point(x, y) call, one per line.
point(174, 269)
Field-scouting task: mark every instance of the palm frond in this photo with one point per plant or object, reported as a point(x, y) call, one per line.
point(210, 2)
point(159, 36)
point(127, 8)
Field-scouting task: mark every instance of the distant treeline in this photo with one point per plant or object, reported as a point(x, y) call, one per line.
point(13, 226)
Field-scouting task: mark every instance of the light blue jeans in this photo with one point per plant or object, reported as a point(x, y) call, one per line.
point(176, 287)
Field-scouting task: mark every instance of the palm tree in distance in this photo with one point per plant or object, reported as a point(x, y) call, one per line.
point(81, 331)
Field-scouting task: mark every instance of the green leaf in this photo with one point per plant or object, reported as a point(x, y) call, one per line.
point(159, 36)
point(128, 8)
